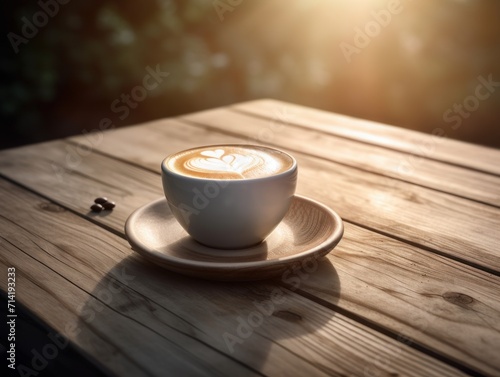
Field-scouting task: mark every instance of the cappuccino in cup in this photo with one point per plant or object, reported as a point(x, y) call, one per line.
point(229, 196)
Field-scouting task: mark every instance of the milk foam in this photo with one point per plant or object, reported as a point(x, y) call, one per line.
point(230, 162)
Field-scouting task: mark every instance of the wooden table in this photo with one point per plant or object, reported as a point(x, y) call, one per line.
point(413, 288)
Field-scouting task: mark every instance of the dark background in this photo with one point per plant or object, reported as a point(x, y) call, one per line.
point(428, 57)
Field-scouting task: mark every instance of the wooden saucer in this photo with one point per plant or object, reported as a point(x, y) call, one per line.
point(309, 231)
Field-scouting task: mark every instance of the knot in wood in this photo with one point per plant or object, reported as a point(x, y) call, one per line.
point(288, 316)
point(51, 207)
point(457, 298)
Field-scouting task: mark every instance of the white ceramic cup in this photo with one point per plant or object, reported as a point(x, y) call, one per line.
point(229, 213)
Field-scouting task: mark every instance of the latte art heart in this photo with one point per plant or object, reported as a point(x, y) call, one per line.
point(230, 163)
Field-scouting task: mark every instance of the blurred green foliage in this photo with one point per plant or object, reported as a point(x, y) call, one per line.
point(64, 79)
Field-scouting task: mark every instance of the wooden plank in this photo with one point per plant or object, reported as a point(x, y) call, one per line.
point(57, 303)
point(369, 268)
point(163, 322)
point(443, 304)
point(402, 166)
point(48, 168)
point(447, 224)
point(397, 138)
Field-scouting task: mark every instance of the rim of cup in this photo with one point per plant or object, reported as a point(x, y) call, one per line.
point(293, 167)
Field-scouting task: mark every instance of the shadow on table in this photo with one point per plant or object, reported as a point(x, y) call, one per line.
point(163, 321)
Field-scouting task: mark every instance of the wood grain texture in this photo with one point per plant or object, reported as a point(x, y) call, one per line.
point(448, 224)
point(399, 300)
point(139, 320)
point(44, 168)
point(434, 146)
point(442, 304)
point(411, 168)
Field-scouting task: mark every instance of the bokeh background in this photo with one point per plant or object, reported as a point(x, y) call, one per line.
point(428, 57)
